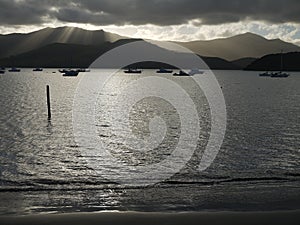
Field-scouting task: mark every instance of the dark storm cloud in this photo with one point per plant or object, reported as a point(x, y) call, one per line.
point(20, 13)
point(159, 12)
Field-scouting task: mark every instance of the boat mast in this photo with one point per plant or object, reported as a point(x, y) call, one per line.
point(281, 63)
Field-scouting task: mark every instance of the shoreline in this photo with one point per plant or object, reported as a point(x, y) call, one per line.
point(113, 217)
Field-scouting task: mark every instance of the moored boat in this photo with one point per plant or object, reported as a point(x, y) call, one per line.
point(37, 69)
point(181, 73)
point(129, 70)
point(71, 73)
point(81, 70)
point(195, 71)
point(14, 69)
point(265, 74)
point(162, 70)
point(280, 75)
point(64, 70)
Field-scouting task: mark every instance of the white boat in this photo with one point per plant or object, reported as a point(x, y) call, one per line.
point(14, 69)
point(132, 71)
point(181, 73)
point(162, 70)
point(81, 70)
point(64, 70)
point(265, 74)
point(71, 73)
point(37, 70)
point(280, 74)
point(195, 71)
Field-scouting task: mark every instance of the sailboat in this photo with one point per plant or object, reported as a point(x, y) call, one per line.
point(265, 74)
point(280, 74)
point(163, 70)
point(69, 73)
point(181, 73)
point(14, 69)
point(37, 69)
point(130, 70)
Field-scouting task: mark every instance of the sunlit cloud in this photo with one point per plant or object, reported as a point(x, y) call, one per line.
point(190, 32)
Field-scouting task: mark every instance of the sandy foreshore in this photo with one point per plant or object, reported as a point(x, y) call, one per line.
point(190, 218)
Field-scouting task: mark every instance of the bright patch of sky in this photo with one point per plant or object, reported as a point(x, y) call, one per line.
point(190, 32)
point(289, 32)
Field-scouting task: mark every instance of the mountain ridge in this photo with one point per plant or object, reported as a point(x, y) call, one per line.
point(236, 52)
point(232, 48)
point(14, 44)
point(247, 45)
point(60, 55)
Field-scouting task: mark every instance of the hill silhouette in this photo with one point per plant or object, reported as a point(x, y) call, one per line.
point(273, 62)
point(243, 62)
point(240, 46)
point(14, 44)
point(75, 47)
point(232, 48)
point(216, 63)
point(73, 56)
point(61, 55)
point(213, 63)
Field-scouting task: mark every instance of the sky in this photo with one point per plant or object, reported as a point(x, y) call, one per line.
point(178, 20)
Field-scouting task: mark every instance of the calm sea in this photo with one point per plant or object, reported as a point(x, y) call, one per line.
point(42, 169)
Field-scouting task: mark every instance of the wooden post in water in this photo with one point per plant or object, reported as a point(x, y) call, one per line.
point(48, 102)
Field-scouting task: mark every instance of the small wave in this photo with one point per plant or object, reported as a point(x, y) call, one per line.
point(79, 185)
point(293, 174)
point(68, 182)
point(103, 125)
point(73, 146)
point(232, 180)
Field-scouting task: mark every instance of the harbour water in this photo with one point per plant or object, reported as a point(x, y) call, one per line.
point(43, 171)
